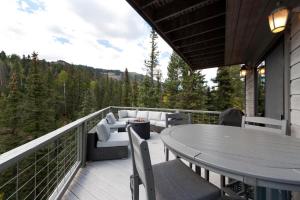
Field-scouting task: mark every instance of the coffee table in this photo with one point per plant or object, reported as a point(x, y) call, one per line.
point(141, 127)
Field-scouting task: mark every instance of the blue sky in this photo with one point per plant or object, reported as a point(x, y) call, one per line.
point(103, 34)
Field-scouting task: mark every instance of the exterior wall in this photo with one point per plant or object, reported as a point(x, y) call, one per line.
point(250, 92)
point(295, 75)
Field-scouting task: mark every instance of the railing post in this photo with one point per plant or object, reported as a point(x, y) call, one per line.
point(84, 141)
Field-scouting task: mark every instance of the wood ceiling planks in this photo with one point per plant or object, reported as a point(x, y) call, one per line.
point(208, 33)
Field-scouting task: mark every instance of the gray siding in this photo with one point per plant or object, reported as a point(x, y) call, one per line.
point(295, 76)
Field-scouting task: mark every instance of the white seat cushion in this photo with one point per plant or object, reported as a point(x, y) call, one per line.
point(126, 119)
point(116, 139)
point(122, 114)
point(154, 115)
point(142, 114)
point(110, 118)
point(160, 123)
point(131, 113)
point(163, 116)
point(118, 124)
point(103, 130)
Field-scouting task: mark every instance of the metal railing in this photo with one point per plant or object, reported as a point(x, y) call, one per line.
point(44, 167)
point(198, 116)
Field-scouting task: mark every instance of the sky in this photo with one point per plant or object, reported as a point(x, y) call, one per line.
point(106, 34)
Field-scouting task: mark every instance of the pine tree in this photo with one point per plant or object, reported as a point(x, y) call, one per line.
point(126, 90)
point(135, 93)
point(89, 101)
point(62, 79)
point(37, 114)
point(12, 109)
point(145, 100)
point(171, 86)
point(224, 89)
point(152, 63)
point(148, 88)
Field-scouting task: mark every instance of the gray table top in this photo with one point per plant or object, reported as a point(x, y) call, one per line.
point(256, 157)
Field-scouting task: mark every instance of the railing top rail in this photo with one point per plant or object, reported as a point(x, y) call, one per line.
point(168, 109)
point(12, 156)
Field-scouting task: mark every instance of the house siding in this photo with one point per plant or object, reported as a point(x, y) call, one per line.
point(295, 75)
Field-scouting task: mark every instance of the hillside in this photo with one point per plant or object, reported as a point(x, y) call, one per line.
point(5, 68)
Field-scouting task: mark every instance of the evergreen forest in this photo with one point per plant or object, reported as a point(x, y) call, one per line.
point(37, 96)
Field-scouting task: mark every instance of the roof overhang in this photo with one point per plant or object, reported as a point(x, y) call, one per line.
point(213, 33)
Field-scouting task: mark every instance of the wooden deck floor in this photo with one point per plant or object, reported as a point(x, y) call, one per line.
point(109, 180)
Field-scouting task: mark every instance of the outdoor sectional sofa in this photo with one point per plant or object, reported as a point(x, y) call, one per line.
point(157, 119)
point(109, 139)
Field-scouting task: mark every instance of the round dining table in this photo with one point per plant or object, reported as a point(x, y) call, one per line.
point(258, 158)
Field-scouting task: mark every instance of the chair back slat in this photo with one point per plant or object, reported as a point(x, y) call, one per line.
point(142, 163)
point(175, 119)
point(265, 124)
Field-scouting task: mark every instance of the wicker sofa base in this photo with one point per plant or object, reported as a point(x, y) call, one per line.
point(95, 153)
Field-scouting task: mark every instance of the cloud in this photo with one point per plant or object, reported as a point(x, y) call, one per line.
point(61, 40)
point(30, 6)
point(107, 44)
point(102, 34)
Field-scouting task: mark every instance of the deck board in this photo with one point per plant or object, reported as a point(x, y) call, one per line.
point(109, 180)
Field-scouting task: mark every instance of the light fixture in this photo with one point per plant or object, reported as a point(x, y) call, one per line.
point(243, 71)
point(261, 71)
point(278, 19)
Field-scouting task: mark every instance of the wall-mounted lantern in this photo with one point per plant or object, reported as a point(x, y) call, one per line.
point(261, 71)
point(278, 19)
point(243, 71)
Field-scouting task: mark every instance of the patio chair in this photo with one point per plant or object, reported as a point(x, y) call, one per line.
point(265, 124)
point(175, 119)
point(167, 180)
point(235, 188)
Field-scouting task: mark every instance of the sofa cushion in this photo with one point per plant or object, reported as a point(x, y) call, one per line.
point(126, 119)
point(142, 114)
point(118, 124)
point(163, 116)
point(103, 130)
point(131, 113)
point(154, 115)
point(110, 118)
point(160, 123)
point(116, 139)
point(122, 113)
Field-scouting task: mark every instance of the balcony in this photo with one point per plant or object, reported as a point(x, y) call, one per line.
point(54, 166)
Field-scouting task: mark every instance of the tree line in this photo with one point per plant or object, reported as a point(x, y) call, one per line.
point(37, 96)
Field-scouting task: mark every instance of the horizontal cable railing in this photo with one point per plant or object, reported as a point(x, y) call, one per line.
point(43, 168)
point(198, 116)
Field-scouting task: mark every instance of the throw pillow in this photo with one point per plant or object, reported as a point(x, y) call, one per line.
point(110, 118)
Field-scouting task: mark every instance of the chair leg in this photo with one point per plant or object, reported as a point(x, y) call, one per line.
point(167, 153)
point(198, 170)
point(206, 175)
point(222, 183)
point(134, 187)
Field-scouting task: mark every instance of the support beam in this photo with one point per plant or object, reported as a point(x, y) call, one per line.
point(200, 40)
point(179, 8)
point(250, 85)
point(196, 33)
point(194, 23)
point(195, 17)
point(206, 53)
point(208, 58)
point(205, 48)
point(199, 47)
